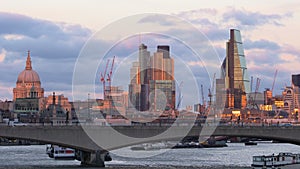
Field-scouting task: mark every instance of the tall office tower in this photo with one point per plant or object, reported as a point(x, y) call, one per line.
point(152, 80)
point(139, 81)
point(296, 89)
point(162, 84)
point(236, 76)
point(165, 50)
point(134, 87)
point(144, 60)
point(157, 66)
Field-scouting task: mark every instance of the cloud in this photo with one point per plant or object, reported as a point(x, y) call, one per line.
point(249, 18)
point(47, 39)
point(194, 14)
point(261, 44)
point(164, 21)
point(2, 55)
point(286, 48)
point(54, 48)
point(35, 28)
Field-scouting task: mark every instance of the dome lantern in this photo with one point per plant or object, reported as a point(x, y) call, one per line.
point(28, 62)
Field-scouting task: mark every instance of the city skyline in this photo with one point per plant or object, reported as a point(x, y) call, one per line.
point(55, 61)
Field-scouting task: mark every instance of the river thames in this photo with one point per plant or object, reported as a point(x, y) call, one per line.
point(235, 156)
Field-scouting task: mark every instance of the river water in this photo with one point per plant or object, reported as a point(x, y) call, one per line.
point(235, 156)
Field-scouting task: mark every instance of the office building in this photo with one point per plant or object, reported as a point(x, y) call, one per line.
point(152, 85)
point(234, 72)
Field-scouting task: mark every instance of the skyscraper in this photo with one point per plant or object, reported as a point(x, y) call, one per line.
point(144, 59)
point(296, 92)
point(152, 80)
point(235, 73)
point(162, 84)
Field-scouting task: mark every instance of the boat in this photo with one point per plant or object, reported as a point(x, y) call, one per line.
point(58, 152)
point(152, 146)
point(250, 143)
point(280, 161)
point(213, 144)
point(188, 145)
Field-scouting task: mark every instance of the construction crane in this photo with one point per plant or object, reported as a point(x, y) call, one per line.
point(251, 84)
point(180, 95)
point(210, 95)
point(102, 79)
point(202, 95)
point(109, 75)
point(275, 75)
point(256, 90)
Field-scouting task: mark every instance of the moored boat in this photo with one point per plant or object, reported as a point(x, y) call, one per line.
point(250, 143)
point(58, 152)
point(280, 161)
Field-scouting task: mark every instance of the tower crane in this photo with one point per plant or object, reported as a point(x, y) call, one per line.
point(212, 89)
point(256, 90)
point(102, 79)
point(202, 95)
point(180, 95)
point(275, 75)
point(251, 84)
point(109, 75)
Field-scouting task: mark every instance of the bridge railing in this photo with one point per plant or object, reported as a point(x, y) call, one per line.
point(162, 123)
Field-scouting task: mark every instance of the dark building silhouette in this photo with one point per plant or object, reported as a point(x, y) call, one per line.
point(296, 80)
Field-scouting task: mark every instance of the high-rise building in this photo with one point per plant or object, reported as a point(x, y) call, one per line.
point(139, 81)
point(165, 50)
point(134, 87)
point(152, 79)
point(235, 75)
point(162, 84)
point(296, 80)
point(296, 89)
point(144, 59)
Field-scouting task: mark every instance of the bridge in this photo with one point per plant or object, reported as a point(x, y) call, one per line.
point(95, 141)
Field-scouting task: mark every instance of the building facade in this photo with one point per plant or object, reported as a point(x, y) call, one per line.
point(28, 95)
point(152, 79)
point(234, 72)
point(28, 84)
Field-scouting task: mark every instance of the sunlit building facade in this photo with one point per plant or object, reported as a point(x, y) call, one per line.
point(28, 95)
point(28, 84)
point(152, 79)
point(234, 72)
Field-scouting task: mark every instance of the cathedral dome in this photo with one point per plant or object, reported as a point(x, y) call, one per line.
point(28, 75)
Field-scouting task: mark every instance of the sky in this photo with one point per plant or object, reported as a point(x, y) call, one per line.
point(56, 31)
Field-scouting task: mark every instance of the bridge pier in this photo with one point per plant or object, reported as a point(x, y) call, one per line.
point(95, 159)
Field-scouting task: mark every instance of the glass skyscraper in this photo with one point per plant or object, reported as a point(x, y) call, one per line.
point(234, 71)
